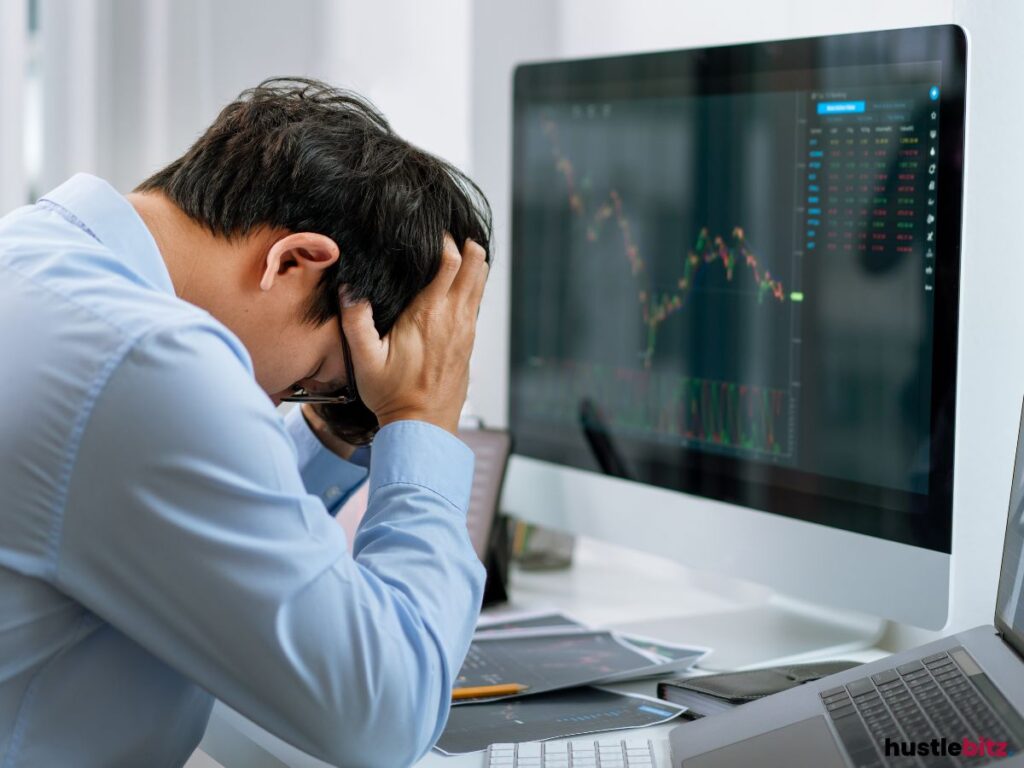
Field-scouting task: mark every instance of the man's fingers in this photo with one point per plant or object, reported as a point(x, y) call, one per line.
point(451, 260)
point(366, 345)
point(476, 293)
point(467, 287)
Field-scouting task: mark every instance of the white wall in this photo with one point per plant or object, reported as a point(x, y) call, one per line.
point(991, 375)
point(414, 60)
point(129, 84)
point(595, 27)
point(503, 35)
point(991, 325)
point(13, 46)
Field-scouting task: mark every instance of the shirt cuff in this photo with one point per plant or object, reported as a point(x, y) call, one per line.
point(422, 454)
point(324, 473)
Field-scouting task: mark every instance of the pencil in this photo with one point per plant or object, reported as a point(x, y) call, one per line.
point(473, 692)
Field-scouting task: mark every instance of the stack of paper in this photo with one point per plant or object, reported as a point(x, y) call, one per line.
point(556, 661)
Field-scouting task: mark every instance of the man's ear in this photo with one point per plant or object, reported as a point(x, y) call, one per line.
point(301, 249)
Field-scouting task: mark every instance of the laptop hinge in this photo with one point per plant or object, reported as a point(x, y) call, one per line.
point(1010, 645)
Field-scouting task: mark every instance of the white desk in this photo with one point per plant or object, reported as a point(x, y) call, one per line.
point(606, 586)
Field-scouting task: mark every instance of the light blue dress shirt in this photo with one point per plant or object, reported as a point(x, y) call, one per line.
point(164, 538)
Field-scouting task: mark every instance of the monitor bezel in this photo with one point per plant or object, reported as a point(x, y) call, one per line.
point(748, 484)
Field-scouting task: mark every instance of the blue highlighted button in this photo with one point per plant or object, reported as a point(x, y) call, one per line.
point(840, 107)
point(933, 93)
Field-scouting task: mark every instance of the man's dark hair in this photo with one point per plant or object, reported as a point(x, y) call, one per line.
point(300, 155)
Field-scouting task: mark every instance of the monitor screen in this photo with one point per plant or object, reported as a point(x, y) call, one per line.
point(735, 273)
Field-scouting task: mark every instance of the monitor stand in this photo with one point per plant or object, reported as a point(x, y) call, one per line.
point(781, 631)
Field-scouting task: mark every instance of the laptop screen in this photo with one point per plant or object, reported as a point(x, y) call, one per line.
point(1009, 602)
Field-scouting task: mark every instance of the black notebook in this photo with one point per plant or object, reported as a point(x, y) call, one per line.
point(712, 694)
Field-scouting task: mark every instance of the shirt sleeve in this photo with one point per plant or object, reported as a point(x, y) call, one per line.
point(188, 528)
point(324, 473)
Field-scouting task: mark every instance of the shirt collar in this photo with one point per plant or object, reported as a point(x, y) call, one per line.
point(102, 212)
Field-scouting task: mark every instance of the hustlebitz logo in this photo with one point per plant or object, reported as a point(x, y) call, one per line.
point(980, 747)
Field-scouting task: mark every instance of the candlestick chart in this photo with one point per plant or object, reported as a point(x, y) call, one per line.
point(656, 307)
point(687, 303)
point(638, 402)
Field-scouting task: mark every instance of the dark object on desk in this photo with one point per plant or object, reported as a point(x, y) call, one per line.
point(595, 429)
point(496, 561)
point(488, 528)
point(711, 694)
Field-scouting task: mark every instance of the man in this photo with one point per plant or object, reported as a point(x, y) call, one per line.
point(164, 536)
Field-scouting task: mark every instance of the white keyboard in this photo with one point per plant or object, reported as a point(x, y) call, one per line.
point(582, 753)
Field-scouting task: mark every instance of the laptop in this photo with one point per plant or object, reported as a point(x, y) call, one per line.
point(958, 701)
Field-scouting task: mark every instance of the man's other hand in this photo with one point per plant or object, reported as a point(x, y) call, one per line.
point(420, 369)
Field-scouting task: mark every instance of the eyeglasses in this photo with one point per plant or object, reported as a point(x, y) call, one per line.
point(347, 394)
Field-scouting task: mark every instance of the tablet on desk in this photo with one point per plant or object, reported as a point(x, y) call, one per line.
point(491, 447)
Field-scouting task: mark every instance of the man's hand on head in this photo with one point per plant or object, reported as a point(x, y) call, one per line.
point(420, 369)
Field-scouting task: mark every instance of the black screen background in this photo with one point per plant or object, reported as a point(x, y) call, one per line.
point(854, 443)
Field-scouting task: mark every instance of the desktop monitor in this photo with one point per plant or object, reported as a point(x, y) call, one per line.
point(735, 276)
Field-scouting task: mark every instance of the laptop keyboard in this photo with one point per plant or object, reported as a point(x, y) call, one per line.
point(579, 753)
point(918, 702)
